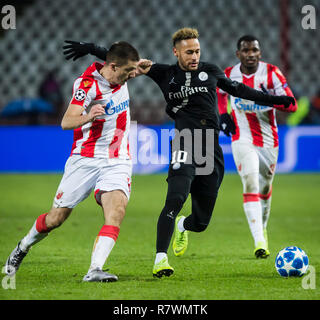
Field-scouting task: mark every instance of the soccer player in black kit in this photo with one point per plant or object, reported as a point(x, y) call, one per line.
point(189, 88)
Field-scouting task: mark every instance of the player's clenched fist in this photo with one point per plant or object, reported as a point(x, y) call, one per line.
point(96, 111)
point(143, 66)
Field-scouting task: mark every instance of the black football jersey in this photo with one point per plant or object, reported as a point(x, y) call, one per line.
point(189, 94)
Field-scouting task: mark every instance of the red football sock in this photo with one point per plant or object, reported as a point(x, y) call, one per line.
point(109, 231)
point(41, 224)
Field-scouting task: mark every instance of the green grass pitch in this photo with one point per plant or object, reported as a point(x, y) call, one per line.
point(219, 263)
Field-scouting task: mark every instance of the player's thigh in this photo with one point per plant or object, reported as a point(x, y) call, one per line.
point(268, 158)
point(179, 182)
point(247, 161)
point(77, 182)
point(209, 184)
point(246, 158)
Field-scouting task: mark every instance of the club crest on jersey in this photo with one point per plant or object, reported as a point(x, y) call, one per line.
point(80, 95)
point(87, 83)
point(59, 195)
point(203, 76)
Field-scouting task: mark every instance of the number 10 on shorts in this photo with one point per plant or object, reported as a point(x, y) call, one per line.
point(179, 156)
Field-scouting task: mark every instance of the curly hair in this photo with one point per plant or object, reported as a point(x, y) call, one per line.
point(184, 34)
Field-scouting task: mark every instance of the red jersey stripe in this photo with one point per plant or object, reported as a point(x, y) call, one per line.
point(227, 71)
point(222, 102)
point(115, 144)
point(235, 136)
point(255, 129)
point(270, 69)
point(252, 118)
point(272, 123)
point(77, 135)
point(223, 97)
point(87, 148)
point(115, 88)
point(98, 92)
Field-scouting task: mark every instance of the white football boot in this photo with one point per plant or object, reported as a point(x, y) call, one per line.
point(97, 275)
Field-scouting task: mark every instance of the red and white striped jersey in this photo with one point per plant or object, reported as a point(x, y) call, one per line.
point(255, 123)
point(107, 135)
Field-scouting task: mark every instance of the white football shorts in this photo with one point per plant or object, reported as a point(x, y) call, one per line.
point(83, 174)
point(252, 159)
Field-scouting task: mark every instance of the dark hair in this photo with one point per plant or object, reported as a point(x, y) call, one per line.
point(121, 52)
point(248, 38)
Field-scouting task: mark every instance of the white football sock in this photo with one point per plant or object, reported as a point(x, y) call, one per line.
point(102, 248)
point(265, 207)
point(254, 217)
point(159, 257)
point(31, 238)
point(180, 225)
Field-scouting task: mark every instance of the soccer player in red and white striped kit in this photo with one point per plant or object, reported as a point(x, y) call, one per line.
point(99, 115)
point(254, 135)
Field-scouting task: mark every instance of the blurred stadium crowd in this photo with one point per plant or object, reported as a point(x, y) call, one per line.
point(36, 82)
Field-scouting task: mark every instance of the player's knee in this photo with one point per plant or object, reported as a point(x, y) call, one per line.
point(250, 183)
point(119, 211)
point(265, 189)
point(114, 206)
point(175, 202)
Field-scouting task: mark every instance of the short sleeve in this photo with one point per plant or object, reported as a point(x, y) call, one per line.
point(83, 92)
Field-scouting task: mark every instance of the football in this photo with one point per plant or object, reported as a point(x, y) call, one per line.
point(291, 262)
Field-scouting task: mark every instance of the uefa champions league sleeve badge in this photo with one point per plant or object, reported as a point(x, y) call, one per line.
point(80, 95)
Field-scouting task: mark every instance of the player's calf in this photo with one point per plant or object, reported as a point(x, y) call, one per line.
point(56, 217)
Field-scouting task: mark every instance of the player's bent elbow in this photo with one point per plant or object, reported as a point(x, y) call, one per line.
point(65, 126)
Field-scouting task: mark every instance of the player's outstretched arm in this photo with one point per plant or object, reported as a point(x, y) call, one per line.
point(73, 117)
point(292, 108)
point(143, 67)
point(76, 50)
point(238, 89)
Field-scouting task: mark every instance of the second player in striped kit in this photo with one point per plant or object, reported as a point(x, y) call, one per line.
point(255, 141)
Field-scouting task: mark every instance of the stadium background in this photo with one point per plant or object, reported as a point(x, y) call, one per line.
point(33, 67)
